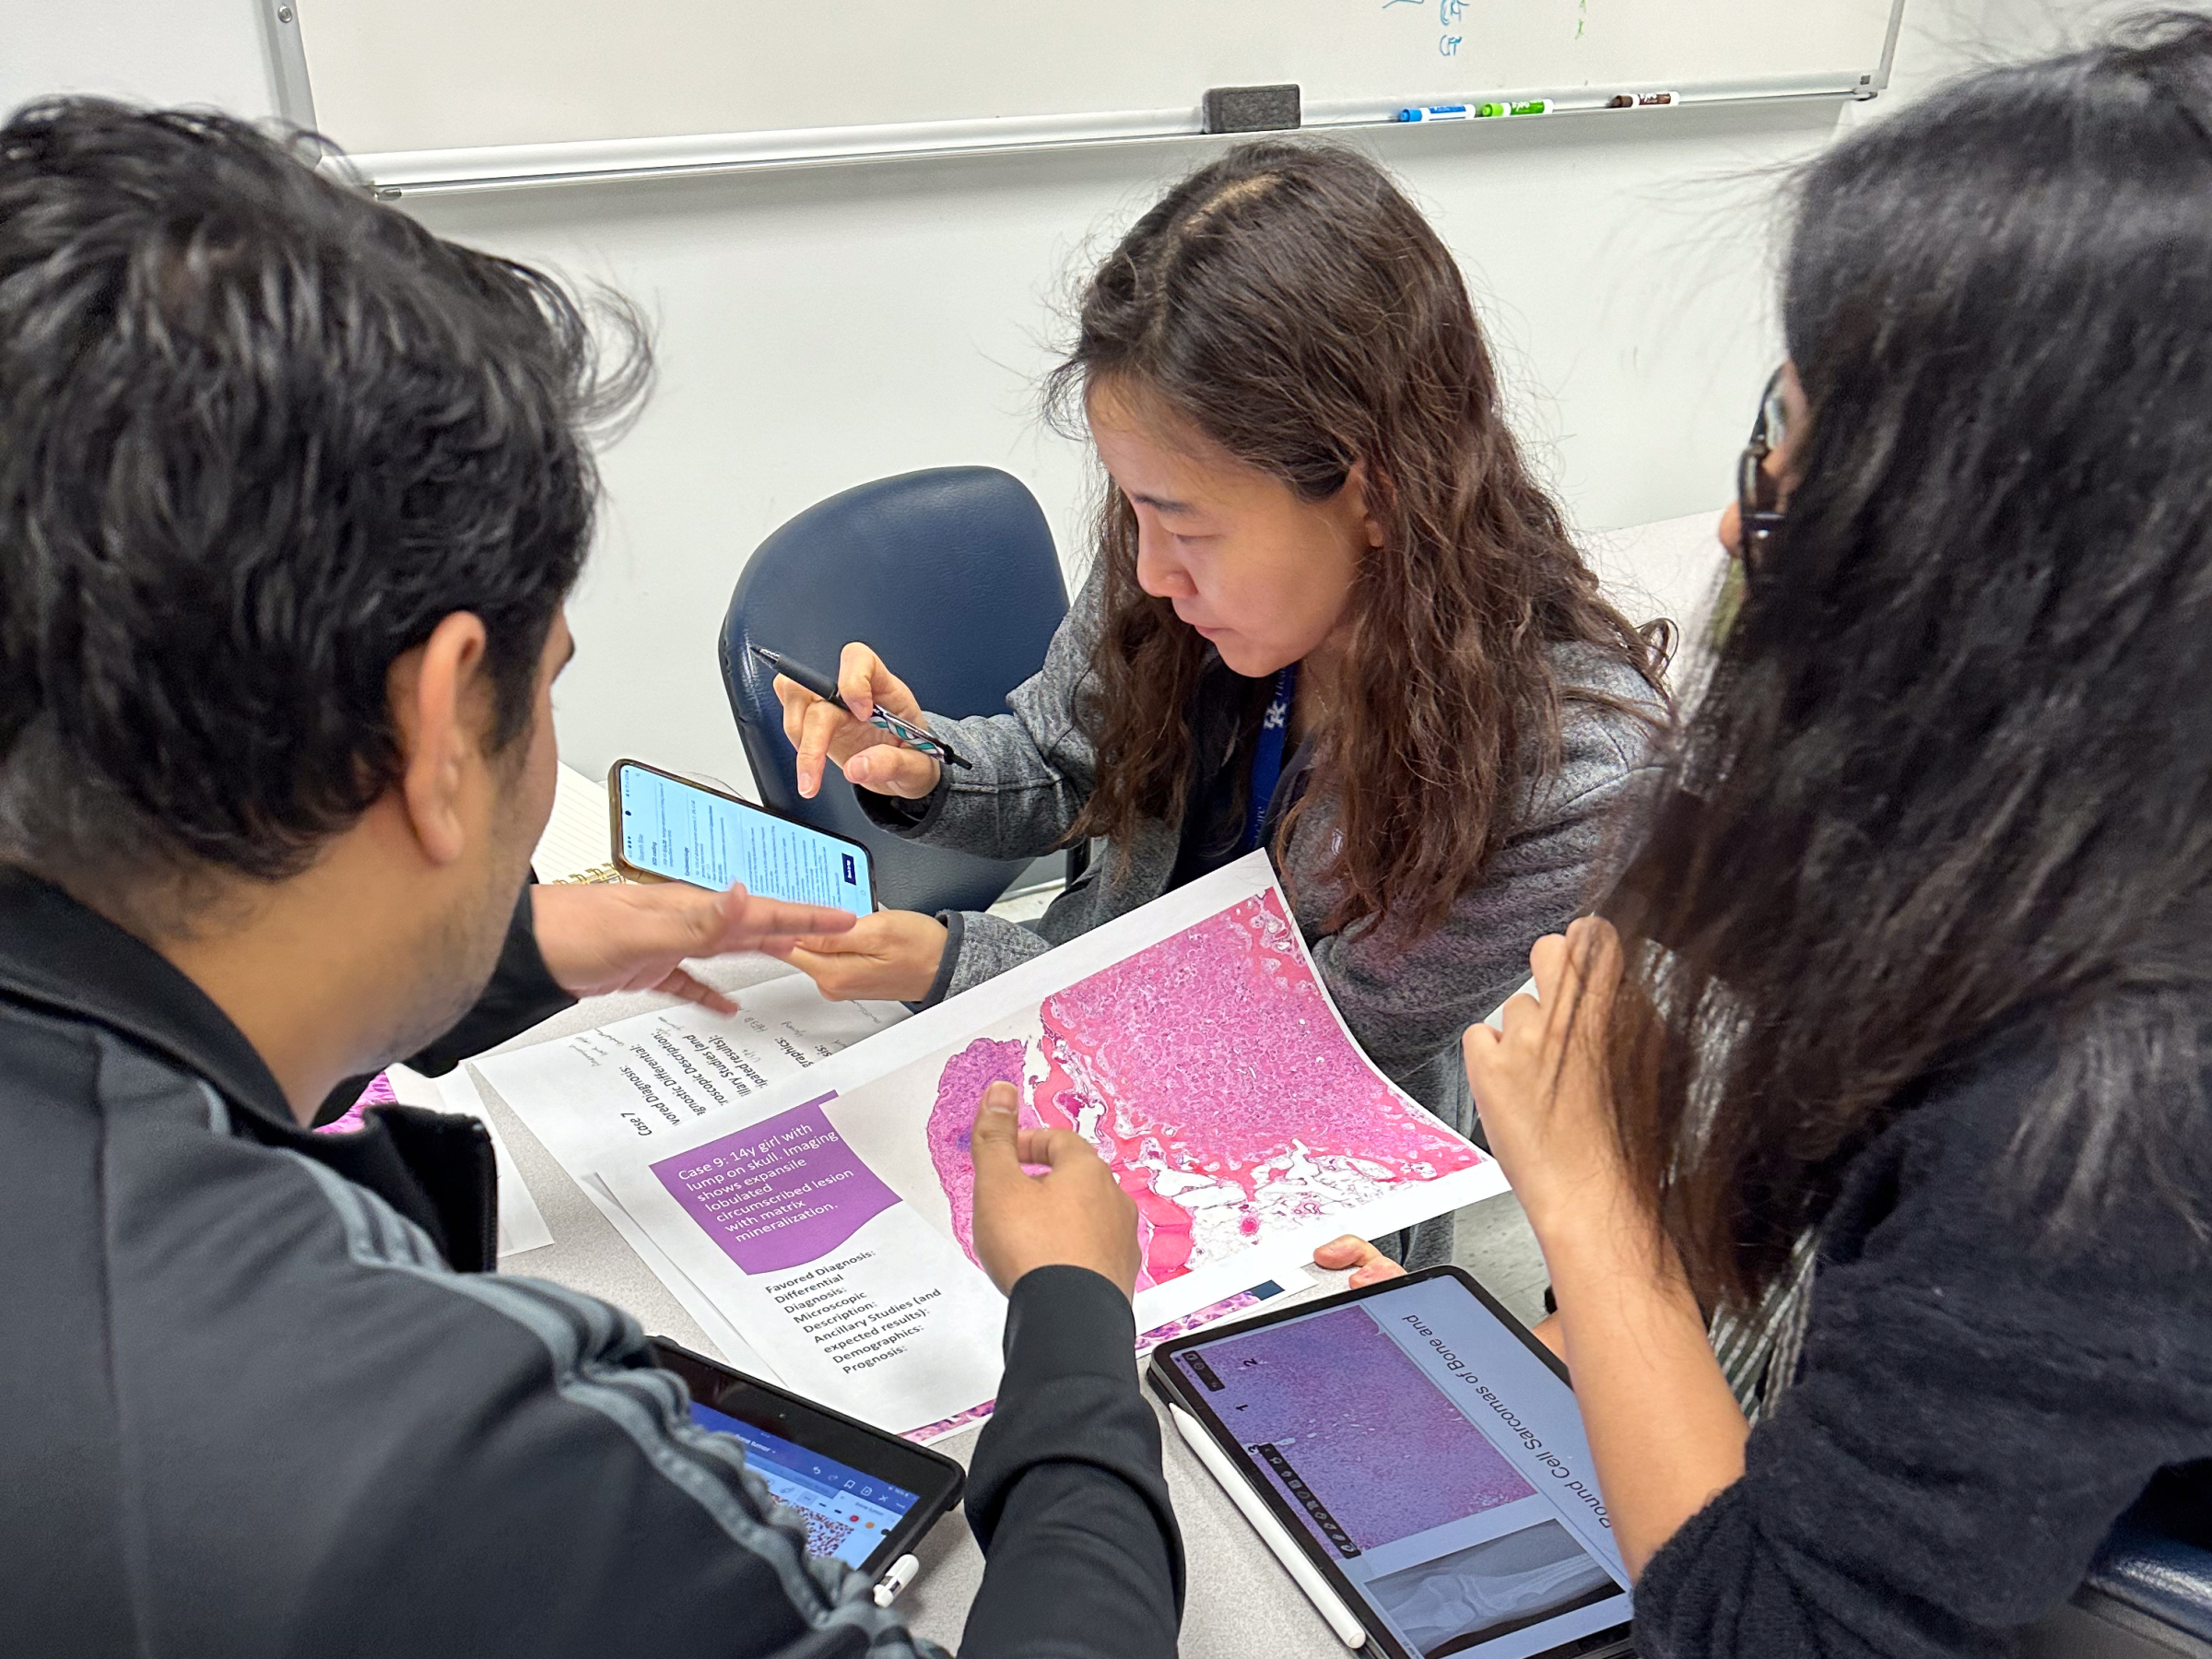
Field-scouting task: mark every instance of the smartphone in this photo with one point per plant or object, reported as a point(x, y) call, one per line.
point(867, 1496)
point(669, 829)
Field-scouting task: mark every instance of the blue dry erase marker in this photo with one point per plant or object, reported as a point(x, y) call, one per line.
point(1438, 112)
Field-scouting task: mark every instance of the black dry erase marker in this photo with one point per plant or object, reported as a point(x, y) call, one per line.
point(823, 687)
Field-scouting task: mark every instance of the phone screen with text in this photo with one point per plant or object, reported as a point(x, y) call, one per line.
point(687, 833)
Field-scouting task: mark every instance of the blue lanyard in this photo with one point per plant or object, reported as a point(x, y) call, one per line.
point(1268, 758)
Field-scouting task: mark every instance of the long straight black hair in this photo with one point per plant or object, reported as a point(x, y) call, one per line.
point(1952, 773)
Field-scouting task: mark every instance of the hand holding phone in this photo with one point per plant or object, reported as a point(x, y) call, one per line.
point(845, 728)
point(892, 956)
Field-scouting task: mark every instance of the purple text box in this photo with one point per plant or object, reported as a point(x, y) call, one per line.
point(778, 1192)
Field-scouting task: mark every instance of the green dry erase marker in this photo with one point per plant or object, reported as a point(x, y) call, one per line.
point(1535, 106)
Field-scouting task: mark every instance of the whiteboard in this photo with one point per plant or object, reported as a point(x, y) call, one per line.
point(425, 88)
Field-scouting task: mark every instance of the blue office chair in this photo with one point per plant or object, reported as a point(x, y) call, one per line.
point(2148, 1595)
point(951, 575)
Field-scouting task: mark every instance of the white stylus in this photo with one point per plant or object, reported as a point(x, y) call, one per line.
point(896, 1577)
point(1326, 1601)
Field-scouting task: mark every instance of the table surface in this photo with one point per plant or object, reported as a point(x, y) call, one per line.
point(1240, 1600)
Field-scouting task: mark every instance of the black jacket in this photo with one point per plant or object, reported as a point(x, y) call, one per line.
point(250, 1408)
point(1979, 1400)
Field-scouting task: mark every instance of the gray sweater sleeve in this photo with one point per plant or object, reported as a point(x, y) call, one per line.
point(979, 946)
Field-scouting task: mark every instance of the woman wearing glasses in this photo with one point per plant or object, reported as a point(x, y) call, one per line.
point(1894, 1051)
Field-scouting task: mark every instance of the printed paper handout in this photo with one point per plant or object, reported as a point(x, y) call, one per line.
point(1191, 1043)
point(654, 1076)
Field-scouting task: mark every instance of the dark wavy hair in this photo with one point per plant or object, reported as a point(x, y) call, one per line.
point(258, 436)
point(1951, 776)
point(1291, 305)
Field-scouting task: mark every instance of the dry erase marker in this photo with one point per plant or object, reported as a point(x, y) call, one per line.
point(1530, 106)
point(1640, 101)
point(823, 687)
point(1438, 112)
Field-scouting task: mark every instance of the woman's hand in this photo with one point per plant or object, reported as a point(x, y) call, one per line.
point(891, 956)
point(1369, 1265)
point(599, 937)
point(1628, 1327)
point(1540, 1081)
point(870, 757)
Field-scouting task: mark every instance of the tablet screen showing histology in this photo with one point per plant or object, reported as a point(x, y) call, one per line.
point(1433, 1461)
point(848, 1513)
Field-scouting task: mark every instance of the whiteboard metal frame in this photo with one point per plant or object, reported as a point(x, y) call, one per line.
point(288, 61)
point(398, 173)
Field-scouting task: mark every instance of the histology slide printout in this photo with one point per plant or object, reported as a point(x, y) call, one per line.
point(1191, 1043)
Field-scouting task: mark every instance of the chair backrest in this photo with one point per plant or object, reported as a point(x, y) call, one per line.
point(951, 576)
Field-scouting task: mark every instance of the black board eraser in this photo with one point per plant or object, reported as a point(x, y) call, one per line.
point(1250, 109)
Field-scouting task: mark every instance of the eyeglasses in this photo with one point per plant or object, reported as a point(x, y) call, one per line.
point(1757, 491)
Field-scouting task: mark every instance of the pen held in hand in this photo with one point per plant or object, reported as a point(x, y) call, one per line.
point(825, 687)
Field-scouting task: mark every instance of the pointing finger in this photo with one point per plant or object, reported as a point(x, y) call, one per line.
point(1374, 1272)
point(794, 698)
point(1545, 957)
point(1350, 1251)
point(1598, 955)
point(1483, 1051)
point(828, 945)
point(991, 1141)
point(818, 728)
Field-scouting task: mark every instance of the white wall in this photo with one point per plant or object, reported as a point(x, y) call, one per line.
point(200, 52)
point(820, 327)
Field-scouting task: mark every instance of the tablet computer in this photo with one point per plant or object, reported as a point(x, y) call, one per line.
point(1423, 1452)
point(866, 1496)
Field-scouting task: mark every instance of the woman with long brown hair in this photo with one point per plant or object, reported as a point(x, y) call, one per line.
point(1318, 521)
